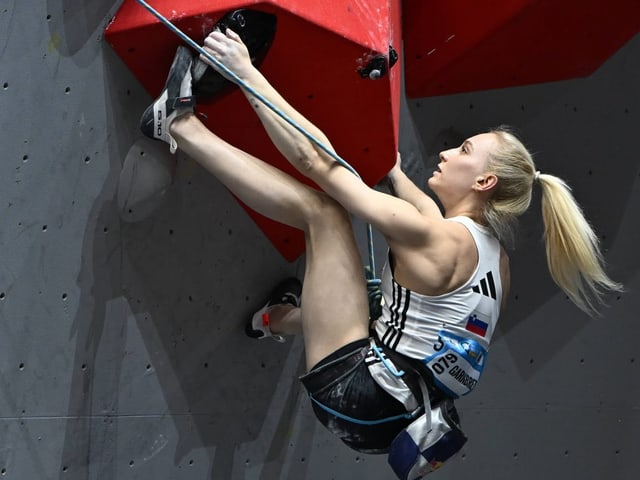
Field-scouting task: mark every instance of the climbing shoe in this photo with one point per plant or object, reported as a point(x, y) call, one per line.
point(287, 292)
point(176, 99)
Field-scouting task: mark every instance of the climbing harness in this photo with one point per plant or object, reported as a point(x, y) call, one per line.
point(373, 283)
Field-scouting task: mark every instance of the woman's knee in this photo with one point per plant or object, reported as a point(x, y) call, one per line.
point(324, 210)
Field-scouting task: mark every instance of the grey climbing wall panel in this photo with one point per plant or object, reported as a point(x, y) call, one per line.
point(121, 346)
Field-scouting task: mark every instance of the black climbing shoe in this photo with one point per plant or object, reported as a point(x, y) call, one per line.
point(286, 293)
point(176, 99)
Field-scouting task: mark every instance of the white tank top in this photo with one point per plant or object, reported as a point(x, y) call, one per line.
point(450, 332)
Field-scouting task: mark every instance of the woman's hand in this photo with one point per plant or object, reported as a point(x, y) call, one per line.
point(392, 175)
point(398, 164)
point(230, 51)
point(396, 169)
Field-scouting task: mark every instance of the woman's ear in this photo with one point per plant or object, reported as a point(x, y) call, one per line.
point(485, 182)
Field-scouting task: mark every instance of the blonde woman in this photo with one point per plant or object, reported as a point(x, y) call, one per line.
point(447, 277)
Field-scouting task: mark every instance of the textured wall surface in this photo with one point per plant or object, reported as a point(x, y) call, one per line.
point(121, 347)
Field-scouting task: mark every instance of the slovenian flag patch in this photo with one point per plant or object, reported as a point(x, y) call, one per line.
point(477, 326)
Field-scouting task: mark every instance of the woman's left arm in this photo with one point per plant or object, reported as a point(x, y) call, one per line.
point(395, 218)
point(301, 152)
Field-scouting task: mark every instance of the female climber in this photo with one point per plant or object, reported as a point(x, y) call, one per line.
point(447, 275)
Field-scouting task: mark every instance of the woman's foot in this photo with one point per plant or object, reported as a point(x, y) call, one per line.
point(176, 99)
point(287, 293)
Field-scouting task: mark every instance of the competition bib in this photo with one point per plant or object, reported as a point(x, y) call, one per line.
point(457, 363)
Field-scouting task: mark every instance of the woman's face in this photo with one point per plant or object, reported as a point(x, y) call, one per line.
point(460, 168)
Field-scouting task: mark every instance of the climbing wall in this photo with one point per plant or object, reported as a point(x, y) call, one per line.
point(121, 347)
point(321, 55)
point(458, 46)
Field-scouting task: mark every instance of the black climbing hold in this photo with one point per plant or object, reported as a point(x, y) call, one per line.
point(257, 31)
point(379, 65)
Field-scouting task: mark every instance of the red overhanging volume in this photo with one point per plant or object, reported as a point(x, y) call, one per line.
point(315, 61)
point(320, 48)
point(461, 46)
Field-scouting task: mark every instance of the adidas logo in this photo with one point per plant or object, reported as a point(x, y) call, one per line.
point(487, 287)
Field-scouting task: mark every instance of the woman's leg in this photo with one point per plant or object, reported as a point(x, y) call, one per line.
point(338, 312)
point(335, 308)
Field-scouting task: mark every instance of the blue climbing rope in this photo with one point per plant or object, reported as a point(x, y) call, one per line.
point(373, 283)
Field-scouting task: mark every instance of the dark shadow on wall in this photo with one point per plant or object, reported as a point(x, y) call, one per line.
point(91, 433)
point(76, 24)
point(193, 279)
point(191, 273)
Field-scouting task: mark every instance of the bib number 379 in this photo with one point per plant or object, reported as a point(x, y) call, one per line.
point(457, 363)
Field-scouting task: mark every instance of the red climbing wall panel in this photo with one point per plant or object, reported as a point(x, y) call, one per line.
point(314, 61)
point(462, 46)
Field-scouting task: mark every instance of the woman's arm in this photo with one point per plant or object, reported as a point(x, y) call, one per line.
point(301, 152)
point(402, 187)
point(397, 219)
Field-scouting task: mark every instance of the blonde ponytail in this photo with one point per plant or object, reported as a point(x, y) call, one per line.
point(573, 251)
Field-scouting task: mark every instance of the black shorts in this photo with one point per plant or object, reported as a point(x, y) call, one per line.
point(348, 401)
